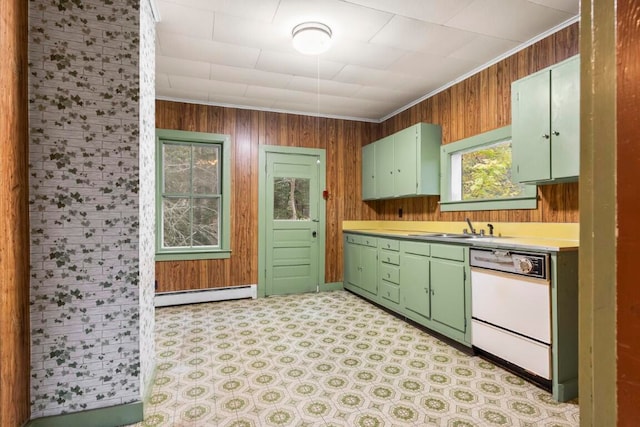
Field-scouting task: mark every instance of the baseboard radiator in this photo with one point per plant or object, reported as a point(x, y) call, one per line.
point(166, 299)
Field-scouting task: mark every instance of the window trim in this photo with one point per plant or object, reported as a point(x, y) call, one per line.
point(527, 201)
point(224, 248)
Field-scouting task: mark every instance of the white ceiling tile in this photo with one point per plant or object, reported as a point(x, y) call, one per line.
point(403, 33)
point(571, 6)
point(207, 51)
point(182, 67)
point(263, 10)
point(187, 21)
point(297, 64)
point(517, 20)
point(241, 101)
point(421, 65)
point(376, 93)
point(356, 74)
point(364, 54)
point(207, 86)
point(249, 76)
point(162, 80)
point(327, 87)
point(182, 94)
point(252, 33)
point(483, 49)
point(436, 11)
point(262, 92)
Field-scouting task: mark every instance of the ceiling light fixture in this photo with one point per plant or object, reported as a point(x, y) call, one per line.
point(311, 38)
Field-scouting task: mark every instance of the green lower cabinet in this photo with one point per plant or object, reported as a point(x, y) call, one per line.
point(360, 264)
point(415, 287)
point(425, 282)
point(368, 274)
point(448, 294)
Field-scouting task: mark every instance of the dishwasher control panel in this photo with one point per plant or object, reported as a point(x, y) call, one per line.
point(515, 262)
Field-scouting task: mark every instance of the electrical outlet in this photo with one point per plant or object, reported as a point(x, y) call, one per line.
point(400, 213)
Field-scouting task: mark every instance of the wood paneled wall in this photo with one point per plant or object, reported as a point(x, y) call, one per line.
point(479, 103)
point(14, 216)
point(628, 206)
point(342, 141)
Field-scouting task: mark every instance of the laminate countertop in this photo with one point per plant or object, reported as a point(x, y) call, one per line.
point(547, 237)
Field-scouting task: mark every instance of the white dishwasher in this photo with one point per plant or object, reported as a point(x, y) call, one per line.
point(511, 309)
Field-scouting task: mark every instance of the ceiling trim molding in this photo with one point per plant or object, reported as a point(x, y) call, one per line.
point(484, 66)
point(268, 110)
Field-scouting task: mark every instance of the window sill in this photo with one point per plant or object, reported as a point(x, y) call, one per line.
point(489, 205)
point(190, 256)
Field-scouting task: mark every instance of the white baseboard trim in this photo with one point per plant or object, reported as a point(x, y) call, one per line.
point(205, 295)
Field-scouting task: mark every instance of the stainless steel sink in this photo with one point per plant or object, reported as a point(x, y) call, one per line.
point(446, 235)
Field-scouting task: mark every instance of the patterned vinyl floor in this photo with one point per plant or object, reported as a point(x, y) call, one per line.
point(328, 359)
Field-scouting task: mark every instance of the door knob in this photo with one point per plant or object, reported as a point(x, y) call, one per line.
point(314, 233)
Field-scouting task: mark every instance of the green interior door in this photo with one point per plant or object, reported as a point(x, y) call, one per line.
point(292, 222)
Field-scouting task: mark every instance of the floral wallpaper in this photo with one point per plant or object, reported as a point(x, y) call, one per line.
point(87, 232)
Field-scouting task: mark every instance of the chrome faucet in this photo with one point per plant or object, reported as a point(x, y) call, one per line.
point(472, 230)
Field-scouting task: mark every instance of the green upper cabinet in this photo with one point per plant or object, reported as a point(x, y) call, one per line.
point(546, 124)
point(565, 119)
point(407, 164)
point(384, 167)
point(368, 172)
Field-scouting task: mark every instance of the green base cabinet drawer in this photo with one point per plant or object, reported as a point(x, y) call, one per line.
point(388, 244)
point(390, 273)
point(390, 257)
point(416, 248)
point(454, 253)
point(390, 291)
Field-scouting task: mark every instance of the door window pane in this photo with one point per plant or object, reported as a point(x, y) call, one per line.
point(291, 198)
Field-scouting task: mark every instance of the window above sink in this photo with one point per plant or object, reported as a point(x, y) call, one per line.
point(476, 175)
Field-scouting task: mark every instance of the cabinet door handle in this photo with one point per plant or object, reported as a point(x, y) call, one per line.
point(545, 136)
point(398, 170)
point(556, 133)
